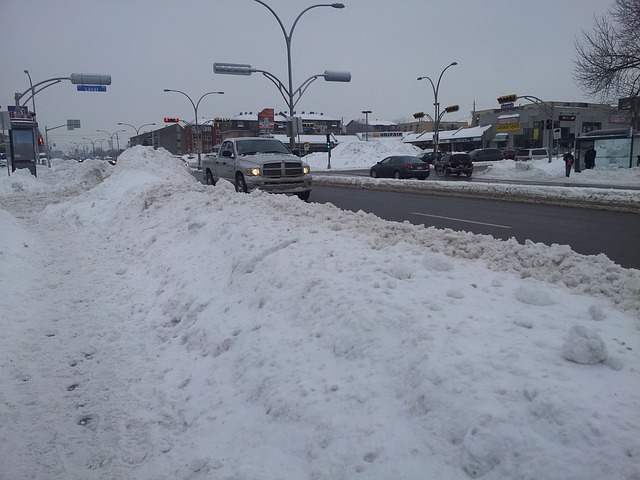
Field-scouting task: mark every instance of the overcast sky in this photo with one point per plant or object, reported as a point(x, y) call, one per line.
point(501, 46)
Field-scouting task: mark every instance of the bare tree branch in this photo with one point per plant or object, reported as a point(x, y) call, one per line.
point(608, 57)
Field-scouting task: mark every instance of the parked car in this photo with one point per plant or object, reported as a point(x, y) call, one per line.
point(456, 162)
point(509, 154)
point(486, 155)
point(532, 154)
point(430, 157)
point(401, 166)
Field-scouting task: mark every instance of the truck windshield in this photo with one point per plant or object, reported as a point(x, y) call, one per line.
point(251, 147)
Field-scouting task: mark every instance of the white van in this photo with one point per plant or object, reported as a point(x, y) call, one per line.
point(532, 153)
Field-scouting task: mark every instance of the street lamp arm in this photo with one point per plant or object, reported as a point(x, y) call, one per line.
point(284, 31)
point(34, 91)
point(302, 13)
point(179, 91)
point(284, 91)
point(208, 93)
point(548, 109)
point(129, 125)
point(432, 84)
point(442, 73)
point(302, 88)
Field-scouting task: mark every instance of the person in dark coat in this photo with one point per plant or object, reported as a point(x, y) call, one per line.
point(590, 158)
point(568, 162)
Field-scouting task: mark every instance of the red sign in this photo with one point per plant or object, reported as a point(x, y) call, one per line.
point(265, 121)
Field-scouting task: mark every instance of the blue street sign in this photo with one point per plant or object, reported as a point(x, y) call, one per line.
point(506, 105)
point(91, 88)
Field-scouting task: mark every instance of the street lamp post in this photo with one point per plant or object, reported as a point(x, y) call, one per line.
point(287, 92)
point(111, 135)
point(366, 123)
point(195, 109)
point(93, 145)
point(436, 122)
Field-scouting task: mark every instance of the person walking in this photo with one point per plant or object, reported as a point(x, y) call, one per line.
point(568, 162)
point(590, 158)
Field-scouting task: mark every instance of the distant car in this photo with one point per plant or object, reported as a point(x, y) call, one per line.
point(532, 154)
point(430, 157)
point(3, 159)
point(486, 155)
point(456, 162)
point(509, 154)
point(401, 166)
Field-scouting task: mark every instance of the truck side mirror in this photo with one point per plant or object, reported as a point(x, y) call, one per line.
point(227, 153)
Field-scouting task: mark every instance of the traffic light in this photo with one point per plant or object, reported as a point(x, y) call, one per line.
point(548, 124)
point(41, 141)
point(328, 141)
point(507, 99)
point(452, 108)
point(221, 120)
point(171, 119)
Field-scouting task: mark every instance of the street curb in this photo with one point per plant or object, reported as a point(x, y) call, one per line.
point(618, 200)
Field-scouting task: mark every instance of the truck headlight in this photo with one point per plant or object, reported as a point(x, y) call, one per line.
point(252, 171)
point(306, 169)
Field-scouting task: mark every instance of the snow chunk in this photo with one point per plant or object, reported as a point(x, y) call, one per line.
point(584, 346)
point(536, 296)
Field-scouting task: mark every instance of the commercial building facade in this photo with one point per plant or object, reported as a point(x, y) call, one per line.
point(554, 125)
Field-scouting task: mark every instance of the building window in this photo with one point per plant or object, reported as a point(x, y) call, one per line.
point(591, 126)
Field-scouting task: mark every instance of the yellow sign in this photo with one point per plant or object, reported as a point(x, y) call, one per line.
point(507, 127)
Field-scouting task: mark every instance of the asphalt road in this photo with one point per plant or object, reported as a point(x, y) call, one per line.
point(587, 231)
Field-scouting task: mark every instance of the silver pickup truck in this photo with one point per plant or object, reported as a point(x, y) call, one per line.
point(258, 163)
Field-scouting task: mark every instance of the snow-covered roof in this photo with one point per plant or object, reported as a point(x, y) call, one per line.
point(447, 135)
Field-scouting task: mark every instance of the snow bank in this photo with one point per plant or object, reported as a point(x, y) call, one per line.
point(185, 331)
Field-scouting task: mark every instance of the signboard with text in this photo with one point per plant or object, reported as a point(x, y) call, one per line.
point(508, 127)
point(91, 88)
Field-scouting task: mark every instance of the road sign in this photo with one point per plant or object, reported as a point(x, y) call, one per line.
point(91, 88)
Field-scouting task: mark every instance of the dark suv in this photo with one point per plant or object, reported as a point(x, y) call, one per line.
point(456, 162)
point(486, 155)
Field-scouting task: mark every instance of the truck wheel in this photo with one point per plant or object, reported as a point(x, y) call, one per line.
point(304, 196)
point(209, 178)
point(241, 185)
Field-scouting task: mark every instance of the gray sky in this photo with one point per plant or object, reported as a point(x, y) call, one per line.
point(501, 46)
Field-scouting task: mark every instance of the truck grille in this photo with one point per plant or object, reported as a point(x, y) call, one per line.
point(282, 169)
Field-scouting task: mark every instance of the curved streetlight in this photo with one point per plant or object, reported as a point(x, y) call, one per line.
point(111, 135)
point(136, 129)
point(93, 145)
point(436, 88)
point(195, 110)
point(290, 94)
point(33, 97)
point(75, 78)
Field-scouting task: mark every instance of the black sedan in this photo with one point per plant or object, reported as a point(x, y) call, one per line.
point(401, 166)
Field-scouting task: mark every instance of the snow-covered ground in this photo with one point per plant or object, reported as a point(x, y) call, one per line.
point(157, 328)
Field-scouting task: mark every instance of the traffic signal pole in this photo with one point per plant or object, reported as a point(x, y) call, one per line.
point(328, 151)
point(546, 107)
